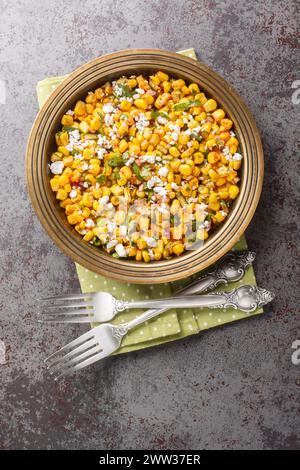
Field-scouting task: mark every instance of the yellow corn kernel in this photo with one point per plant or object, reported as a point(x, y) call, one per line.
point(201, 234)
point(63, 179)
point(132, 83)
point(54, 183)
point(187, 153)
point(132, 251)
point(185, 170)
point(213, 203)
point(175, 164)
point(87, 200)
point(149, 99)
point(218, 114)
point(154, 140)
point(121, 180)
point(146, 256)
point(86, 212)
point(56, 157)
point(194, 89)
point(141, 244)
point(84, 127)
point(226, 125)
point(74, 218)
point(88, 153)
point(186, 190)
point(125, 105)
point(63, 150)
point(210, 106)
point(162, 76)
point(67, 120)
point(95, 123)
point(140, 103)
point(233, 191)
point(198, 158)
point(211, 143)
point(123, 129)
point(138, 255)
point(219, 217)
point(140, 194)
point(236, 164)
point(123, 145)
point(89, 236)
point(174, 152)
point(178, 84)
point(94, 169)
point(178, 249)
point(220, 182)
point(126, 171)
point(68, 161)
point(89, 108)
point(166, 86)
point(79, 109)
point(116, 190)
point(213, 157)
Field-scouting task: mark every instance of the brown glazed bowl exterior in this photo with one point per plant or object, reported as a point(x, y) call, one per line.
point(42, 142)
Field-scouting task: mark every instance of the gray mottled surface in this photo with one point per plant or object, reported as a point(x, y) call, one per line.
point(234, 387)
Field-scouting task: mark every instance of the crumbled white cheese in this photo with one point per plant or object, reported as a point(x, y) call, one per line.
point(57, 167)
point(111, 244)
point(174, 186)
point(101, 152)
point(89, 223)
point(85, 184)
point(103, 200)
point(151, 242)
point(153, 181)
point(160, 191)
point(140, 91)
point(73, 194)
point(163, 171)
point(70, 112)
point(120, 250)
point(129, 161)
point(232, 134)
point(237, 156)
point(148, 158)
point(162, 120)
point(108, 108)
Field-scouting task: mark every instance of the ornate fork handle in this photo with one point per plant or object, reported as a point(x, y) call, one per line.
point(246, 298)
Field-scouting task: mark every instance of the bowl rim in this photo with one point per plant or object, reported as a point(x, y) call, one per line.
point(125, 270)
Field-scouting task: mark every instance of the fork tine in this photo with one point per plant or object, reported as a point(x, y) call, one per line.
point(82, 311)
point(83, 319)
point(81, 365)
point(65, 364)
point(83, 347)
point(76, 342)
point(71, 296)
point(67, 306)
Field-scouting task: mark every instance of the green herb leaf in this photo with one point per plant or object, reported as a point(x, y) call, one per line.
point(101, 179)
point(156, 114)
point(136, 171)
point(70, 129)
point(186, 105)
point(124, 91)
point(196, 136)
point(116, 160)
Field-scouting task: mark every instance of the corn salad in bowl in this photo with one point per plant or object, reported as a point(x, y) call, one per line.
point(146, 166)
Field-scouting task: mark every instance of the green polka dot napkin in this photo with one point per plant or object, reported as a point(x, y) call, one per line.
point(173, 324)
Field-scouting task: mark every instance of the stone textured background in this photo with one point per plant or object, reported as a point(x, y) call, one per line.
point(234, 387)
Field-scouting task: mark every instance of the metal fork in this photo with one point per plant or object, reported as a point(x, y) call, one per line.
point(101, 307)
point(105, 339)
